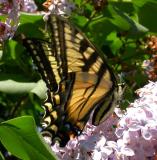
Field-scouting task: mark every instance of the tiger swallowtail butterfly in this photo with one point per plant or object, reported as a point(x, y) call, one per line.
point(78, 79)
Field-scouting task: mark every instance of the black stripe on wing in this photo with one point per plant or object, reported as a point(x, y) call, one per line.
point(57, 38)
point(37, 50)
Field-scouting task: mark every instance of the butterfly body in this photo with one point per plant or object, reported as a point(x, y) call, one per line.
point(77, 77)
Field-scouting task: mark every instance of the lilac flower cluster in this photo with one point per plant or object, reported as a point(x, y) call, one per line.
point(58, 7)
point(61, 7)
point(91, 144)
point(10, 10)
point(134, 138)
point(28, 6)
point(138, 127)
point(8, 27)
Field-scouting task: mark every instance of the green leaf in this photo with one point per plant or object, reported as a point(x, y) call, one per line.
point(13, 50)
point(3, 18)
point(16, 77)
point(40, 89)
point(1, 156)
point(13, 87)
point(119, 19)
point(79, 20)
point(19, 136)
point(126, 23)
point(139, 3)
point(1, 54)
point(30, 18)
point(16, 60)
point(32, 25)
point(125, 6)
point(99, 29)
point(146, 16)
point(114, 42)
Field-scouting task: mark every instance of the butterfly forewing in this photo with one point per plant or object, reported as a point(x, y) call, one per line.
point(84, 82)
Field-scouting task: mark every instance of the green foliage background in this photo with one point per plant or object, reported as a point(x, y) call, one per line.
point(118, 28)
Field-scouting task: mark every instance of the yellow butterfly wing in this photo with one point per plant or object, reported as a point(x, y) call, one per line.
point(78, 80)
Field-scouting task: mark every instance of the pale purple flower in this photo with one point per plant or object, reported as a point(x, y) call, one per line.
point(5, 31)
point(119, 112)
point(138, 126)
point(5, 7)
point(147, 65)
point(120, 150)
point(28, 6)
point(10, 8)
point(102, 151)
point(60, 7)
point(91, 143)
point(10, 24)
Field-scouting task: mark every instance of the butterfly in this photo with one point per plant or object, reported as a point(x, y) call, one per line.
point(79, 81)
